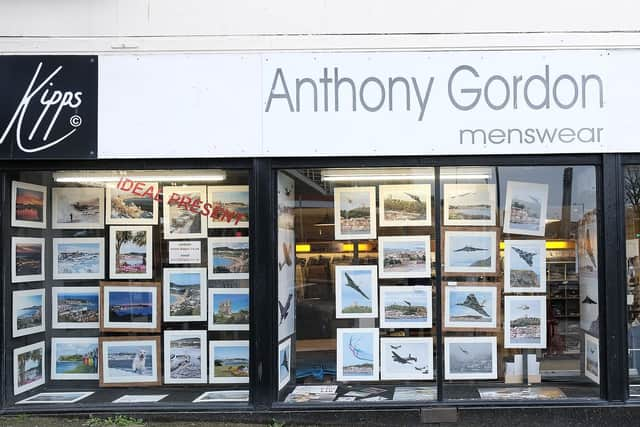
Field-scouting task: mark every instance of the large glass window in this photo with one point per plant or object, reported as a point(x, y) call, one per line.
point(632, 236)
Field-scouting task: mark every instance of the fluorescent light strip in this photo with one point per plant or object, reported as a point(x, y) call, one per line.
point(172, 178)
point(459, 177)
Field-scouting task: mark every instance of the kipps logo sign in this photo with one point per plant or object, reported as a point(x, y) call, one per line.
point(49, 107)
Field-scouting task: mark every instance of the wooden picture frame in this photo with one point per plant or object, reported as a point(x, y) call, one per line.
point(154, 288)
point(142, 341)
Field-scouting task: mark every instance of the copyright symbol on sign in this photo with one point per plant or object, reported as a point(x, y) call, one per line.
point(75, 121)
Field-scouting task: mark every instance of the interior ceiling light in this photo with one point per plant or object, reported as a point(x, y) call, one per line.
point(87, 177)
point(402, 174)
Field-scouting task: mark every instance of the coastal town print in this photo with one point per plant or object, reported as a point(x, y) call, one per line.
point(129, 361)
point(356, 291)
point(183, 290)
point(77, 258)
point(228, 309)
point(130, 252)
point(526, 208)
point(124, 207)
point(470, 204)
point(28, 312)
point(185, 357)
point(470, 307)
point(405, 307)
point(405, 205)
point(525, 266)
point(470, 358)
point(404, 256)
point(229, 361)
point(75, 307)
point(525, 320)
point(357, 354)
point(355, 213)
point(406, 358)
point(228, 258)
point(180, 222)
point(233, 203)
point(129, 306)
point(27, 259)
point(77, 207)
point(28, 367)
point(28, 205)
point(470, 252)
point(74, 358)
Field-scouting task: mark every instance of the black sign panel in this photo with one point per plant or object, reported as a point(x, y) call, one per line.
point(48, 107)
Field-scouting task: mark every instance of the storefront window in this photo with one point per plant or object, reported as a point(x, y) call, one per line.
point(632, 236)
point(128, 286)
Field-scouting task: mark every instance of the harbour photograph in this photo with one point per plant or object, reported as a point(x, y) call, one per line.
point(130, 306)
point(526, 320)
point(229, 257)
point(185, 297)
point(76, 307)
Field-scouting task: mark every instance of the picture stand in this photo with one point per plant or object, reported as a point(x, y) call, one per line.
point(525, 367)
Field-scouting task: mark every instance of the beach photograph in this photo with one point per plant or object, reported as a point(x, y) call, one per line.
point(404, 256)
point(228, 309)
point(74, 358)
point(28, 367)
point(405, 307)
point(357, 354)
point(229, 361)
point(184, 355)
point(183, 291)
point(179, 221)
point(470, 307)
point(405, 205)
point(228, 258)
point(125, 207)
point(28, 205)
point(129, 361)
point(78, 258)
point(27, 256)
point(77, 207)
point(470, 204)
point(130, 306)
point(526, 208)
point(525, 266)
point(356, 291)
point(525, 319)
point(76, 307)
point(470, 251)
point(355, 213)
point(592, 358)
point(130, 252)
point(469, 358)
point(406, 358)
point(233, 200)
point(28, 312)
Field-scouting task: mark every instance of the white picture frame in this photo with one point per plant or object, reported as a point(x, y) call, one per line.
point(516, 213)
point(120, 374)
point(474, 302)
point(56, 397)
point(356, 291)
point(123, 206)
point(221, 196)
point(223, 396)
point(401, 256)
point(363, 342)
point(464, 248)
point(181, 278)
point(82, 297)
point(77, 208)
point(479, 198)
point(32, 203)
point(67, 258)
point(233, 349)
point(175, 213)
point(397, 356)
point(230, 297)
point(115, 267)
point(531, 307)
point(592, 358)
point(174, 363)
point(25, 310)
point(217, 260)
point(416, 199)
point(345, 197)
point(89, 352)
point(464, 354)
point(525, 263)
point(417, 315)
point(284, 363)
point(30, 252)
point(21, 381)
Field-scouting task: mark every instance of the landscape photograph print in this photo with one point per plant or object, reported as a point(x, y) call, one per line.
point(406, 307)
point(229, 362)
point(130, 252)
point(228, 258)
point(77, 207)
point(27, 259)
point(130, 306)
point(233, 202)
point(28, 205)
point(78, 258)
point(129, 361)
point(470, 307)
point(470, 204)
point(75, 307)
point(526, 208)
point(406, 358)
point(28, 312)
point(354, 213)
point(406, 205)
point(357, 352)
point(74, 358)
point(470, 252)
point(404, 256)
point(183, 290)
point(125, 207)
point(356, 291)
point(228, 309)
point(28, 367)
point(185, 357)
point(592, 358)
point(470, 358)
point(180, 222)
point(525, 321)
point(525, 266)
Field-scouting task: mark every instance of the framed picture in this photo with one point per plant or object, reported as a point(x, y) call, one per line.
point(229, 362)
point(77, 207)
point(27, 259)
point(180, 221)
point(470, 358)
point(129, 361)
point(130, 307)
point(124, 207)
point(28, 367)
point(473, 307)
point(525, 321)
point(355, 213)
point(223, 396)
point(185, 357)
point(286, 283)
point(183, 290)
point(60, 397)
point(228, 309)
point(587, 245)
point(356, 291)
point(228, 258)
point(470, 204)
point(230, 206)
point(406, 358)
point(286, 201)
point(589, 312)
point(357, 352)
point(525, 208)
point(525, 266)
point(407, 205)
point(74, 358)
point(140, 398)
point(404, 256)
point(130, 252)
point(284, 363)
point(77, 258)
point(28, 312)
point(592, 358)
point(405, 307)
point(28, 205)
point(468, 252)
point(75, 307)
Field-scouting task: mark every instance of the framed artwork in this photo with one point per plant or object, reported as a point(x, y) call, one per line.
point(228, 309)
point(284, 363)
point(228, 258)
point(223, 396)
point(406, 358)
point(587, 245)
point(180, 221)
point(130, 307)
point(470, 358)
point(473, 307)
point(357, 352)
point(130, 252)
point(230, 206)
point(354, 213)
point(140, 398)
point(129, 361)
point(185, 357)
point(592, 358)
point(356, 291)
point(28, 367)
point(75, 307)
point(470, 204)
point(74, 358)
point(286, 283)
point(405, 307)
point(525, 321)
point(525, 208)
point(76, 258)
point(407, 205)
point(468, 252)
point(525, 266)
point(60, 397)
point(229, 362)
point(286, 201)
point(183, 290)
point(28, 205)
point(77, 207)
point(27, 259)
point(124, 207)
point(404, 256)
point(28, 312)
point(589, 313)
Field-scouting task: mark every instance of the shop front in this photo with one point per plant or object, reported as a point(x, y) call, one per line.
point(316, 234)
